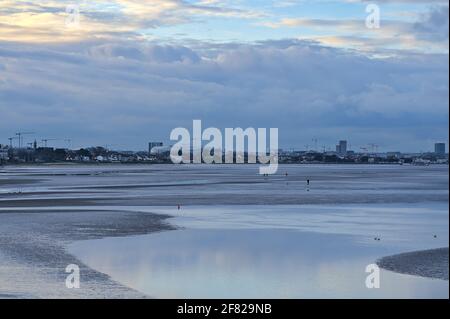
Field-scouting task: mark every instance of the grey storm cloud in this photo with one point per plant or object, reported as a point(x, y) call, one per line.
point(131, 92)
point(434, 24)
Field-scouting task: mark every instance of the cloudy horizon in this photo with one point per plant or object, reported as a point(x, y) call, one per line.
point(131, 71)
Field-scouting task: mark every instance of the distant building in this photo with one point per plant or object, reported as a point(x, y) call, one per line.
point(160, 150)
point(439, 148)
point(3, 153)
point(393, 154)
point(152, 145)
point(341, 148)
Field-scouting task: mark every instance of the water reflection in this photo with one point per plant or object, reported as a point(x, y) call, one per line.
point(257, 263)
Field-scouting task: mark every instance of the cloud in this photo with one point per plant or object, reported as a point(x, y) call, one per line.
point(429, 33)
point(433, 25)
point(131, 91)
point(47, 21)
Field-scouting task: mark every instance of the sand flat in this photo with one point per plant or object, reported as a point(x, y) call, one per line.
point(47, 209)
point(431, 263)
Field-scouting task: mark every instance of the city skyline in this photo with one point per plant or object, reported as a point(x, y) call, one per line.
point(340, 146)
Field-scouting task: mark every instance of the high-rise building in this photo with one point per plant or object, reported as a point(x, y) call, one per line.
point(439, 148)
point(154, 144)
point(341, 148)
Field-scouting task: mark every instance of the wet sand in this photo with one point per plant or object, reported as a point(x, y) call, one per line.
point(432, 263)
point(33, 256)
point(33, 237)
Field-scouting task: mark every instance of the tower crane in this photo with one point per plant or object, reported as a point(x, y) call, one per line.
point(314, 140)
point(20, 136)
point(45, 140)
point(69, 142)
point(374, 147)
point(10, 141)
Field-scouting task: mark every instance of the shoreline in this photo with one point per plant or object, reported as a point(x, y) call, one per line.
point(93, 163)
point(42, 255)
point(51, 212)
point(33, 253)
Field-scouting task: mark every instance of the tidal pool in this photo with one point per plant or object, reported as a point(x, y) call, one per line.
point(217, 256)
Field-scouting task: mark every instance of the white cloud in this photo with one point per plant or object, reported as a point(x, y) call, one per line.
point(428, 34)
point(45, 21)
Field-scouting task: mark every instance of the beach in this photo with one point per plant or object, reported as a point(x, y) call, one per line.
point(154, 231)
point(33, 257)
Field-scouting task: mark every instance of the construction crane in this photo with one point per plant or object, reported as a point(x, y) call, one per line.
point(10, 141)
point(20, 136)
point(45, 140)
point(314, 140)
point(69, 142)
point(374, 147)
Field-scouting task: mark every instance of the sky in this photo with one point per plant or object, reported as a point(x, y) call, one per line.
point(125, 72)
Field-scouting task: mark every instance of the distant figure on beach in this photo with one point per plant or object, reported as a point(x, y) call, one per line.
point(179, 206)
point(286, 174)
point(307, 182)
